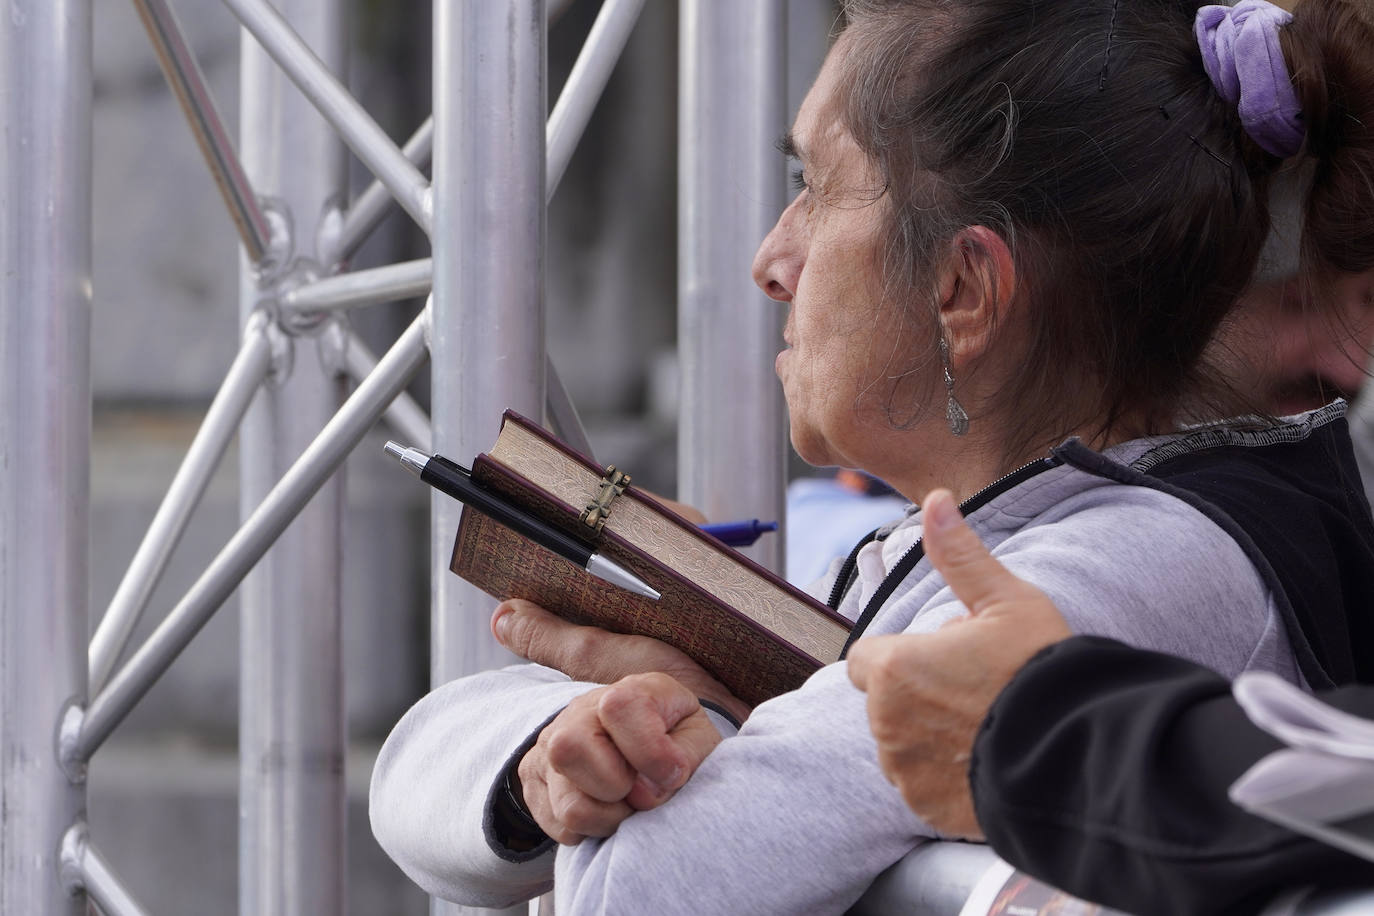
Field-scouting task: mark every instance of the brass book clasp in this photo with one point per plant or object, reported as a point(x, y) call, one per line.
point(597, 511)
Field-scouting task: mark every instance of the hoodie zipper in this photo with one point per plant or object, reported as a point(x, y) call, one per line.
point(916, 552)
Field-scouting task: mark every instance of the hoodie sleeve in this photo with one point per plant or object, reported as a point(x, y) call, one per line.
point(431, 800)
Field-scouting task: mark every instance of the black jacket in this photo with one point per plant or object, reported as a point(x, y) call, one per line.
point(1103, 769)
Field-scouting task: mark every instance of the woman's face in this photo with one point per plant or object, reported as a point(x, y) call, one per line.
point(822, 259)
point(1292, 359)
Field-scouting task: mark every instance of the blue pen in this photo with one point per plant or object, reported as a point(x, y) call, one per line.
point(741, 533)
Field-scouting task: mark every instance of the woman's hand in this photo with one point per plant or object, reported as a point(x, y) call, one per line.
point(613, 751)
point(929, 693)
point(600, 656)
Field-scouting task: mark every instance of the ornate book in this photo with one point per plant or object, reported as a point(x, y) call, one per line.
point(755, 633)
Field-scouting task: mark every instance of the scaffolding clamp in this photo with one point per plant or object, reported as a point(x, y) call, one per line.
point(69, 727)
point(599, 509)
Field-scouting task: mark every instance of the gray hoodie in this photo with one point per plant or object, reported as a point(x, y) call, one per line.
point(791, 814)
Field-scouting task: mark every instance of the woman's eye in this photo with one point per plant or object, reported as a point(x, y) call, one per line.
point(798, 180)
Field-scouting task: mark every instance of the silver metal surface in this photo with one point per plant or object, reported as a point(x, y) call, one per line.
point(183, 73)
point(488, 332)
point(291, 701)
point(45, 428)
point(934, 879)
point(731, 429)
point(406, 280)
point(85, 869)
point(487, 336)
point(412, 459)
point(372, 205)
point(611, 30)
point(364, 287)
point(613, 572)
point(403, 415)
point(221, 422)
point(277, 510)
point(301, 61)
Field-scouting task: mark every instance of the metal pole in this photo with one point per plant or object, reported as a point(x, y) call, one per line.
point(307, 63)
point(487, 338)
point(202, 458)
point(364, 287)
point(731, 190)
point(590, 73)
point(45, 428)
point(277, 510)
point(292, 736)
point(183, 73)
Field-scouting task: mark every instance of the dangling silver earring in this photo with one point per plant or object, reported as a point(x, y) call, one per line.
point(954, 411)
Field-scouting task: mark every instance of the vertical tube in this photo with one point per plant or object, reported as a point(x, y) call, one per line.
point(45, 427)
point(487, 337)
point(291, 734)
point(731, 189)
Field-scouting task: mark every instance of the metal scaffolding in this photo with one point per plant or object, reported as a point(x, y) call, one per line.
point(496, 161)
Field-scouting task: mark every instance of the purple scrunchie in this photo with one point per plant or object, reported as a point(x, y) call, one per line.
point(1240, 49)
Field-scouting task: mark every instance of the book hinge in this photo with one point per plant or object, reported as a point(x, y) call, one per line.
point(597, 511)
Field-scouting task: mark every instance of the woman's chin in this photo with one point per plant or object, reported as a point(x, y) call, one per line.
point(809, 449)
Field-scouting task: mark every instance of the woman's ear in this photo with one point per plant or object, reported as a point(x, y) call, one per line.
point(977, 282)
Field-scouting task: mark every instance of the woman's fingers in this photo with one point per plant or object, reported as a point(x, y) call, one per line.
point(580, 815)
point(590, 760)
point(600, 656)
point(533, 633)
point(614, 750)
point(662, 731)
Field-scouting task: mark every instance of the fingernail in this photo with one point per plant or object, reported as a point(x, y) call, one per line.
point(500, 624)
point(671, 780)
point(940, 511)
point(658, 790)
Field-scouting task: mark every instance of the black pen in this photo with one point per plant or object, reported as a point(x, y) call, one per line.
point(456, 480)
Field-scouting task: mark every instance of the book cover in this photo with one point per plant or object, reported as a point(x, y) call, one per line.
point(755, 633)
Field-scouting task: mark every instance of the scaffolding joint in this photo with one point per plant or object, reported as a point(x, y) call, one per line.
point(427, 209)
point(333, 345)
point(427, 323)
point(71, 858)
point(329, 236)
point(69, 756)
point(281, 243)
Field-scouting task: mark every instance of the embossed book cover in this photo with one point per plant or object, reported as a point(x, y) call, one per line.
point(758, 635)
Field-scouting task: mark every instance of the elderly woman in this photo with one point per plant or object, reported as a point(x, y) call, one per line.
point(1018, 224)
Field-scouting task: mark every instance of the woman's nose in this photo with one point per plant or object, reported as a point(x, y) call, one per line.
point(779, 260)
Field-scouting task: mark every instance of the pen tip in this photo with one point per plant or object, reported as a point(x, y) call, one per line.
point(394, 449)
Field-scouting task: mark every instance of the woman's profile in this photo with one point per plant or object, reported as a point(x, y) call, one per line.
point(1018, 227)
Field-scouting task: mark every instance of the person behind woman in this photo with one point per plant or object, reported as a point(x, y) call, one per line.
point(1099, 768)
point(1016, 222)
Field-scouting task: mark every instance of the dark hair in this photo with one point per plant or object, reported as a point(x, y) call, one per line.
point(1329, 47)
point(1087, 134)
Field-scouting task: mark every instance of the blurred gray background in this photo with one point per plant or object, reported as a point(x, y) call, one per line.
point(163, 791)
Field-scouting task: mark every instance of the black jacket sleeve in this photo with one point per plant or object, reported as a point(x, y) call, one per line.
point(1103, 770)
